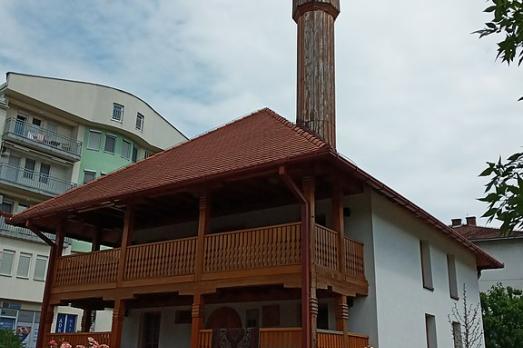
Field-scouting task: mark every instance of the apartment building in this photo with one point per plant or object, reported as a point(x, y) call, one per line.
point(56, 135)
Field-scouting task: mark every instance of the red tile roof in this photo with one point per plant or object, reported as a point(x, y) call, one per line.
point(260, 140)
point(263, 137)
point(478, 233)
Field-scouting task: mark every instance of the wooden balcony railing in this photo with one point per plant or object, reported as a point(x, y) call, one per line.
point(79, 338)
point(255, 248)
point(99, 267)
point(269, 338)
point(160, 260)
point(335, 339)
point(354, 266)
point(266, 247)
point(291, 338)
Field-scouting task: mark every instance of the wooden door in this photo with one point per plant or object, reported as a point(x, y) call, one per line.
point(224, 318)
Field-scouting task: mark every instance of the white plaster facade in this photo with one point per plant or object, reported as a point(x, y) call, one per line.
point(510, 252)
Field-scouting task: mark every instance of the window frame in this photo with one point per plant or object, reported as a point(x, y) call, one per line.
point(130, 149)
point(13, 256)
point(426, 265)
point(457, 335)
point(105, 143)
point(45, 259)
point(89, 147)
point(29, 173)
point(453, 277)
point(89, 171)
point(122, 109)
point(30, 257)
point(141, 117)
point(431, 331)
point(44, 177)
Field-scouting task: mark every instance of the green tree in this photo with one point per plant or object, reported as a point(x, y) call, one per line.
point(502, 317)
point(9, 340)
point(507, 22)
point(504, 192)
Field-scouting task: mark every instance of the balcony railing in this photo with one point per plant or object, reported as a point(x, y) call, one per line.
point(270, 248)
point(42, 138)
point(79, 338)
point(32, 180)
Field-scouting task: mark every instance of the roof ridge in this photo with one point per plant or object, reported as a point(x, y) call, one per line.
point(307, 134)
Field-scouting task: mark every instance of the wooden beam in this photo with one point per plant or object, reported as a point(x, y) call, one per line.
point(128, 227)
point(47, 312)
point(203, 225)
point(197, 319)
point(309, 312)
point(338, 220)
point(117, 324)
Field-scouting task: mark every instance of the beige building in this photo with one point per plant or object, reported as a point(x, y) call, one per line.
point(56, 134)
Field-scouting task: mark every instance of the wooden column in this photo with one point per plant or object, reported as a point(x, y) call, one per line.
point(338, 221)
point(309, 299)
point(47, 312)
point(342, 317)
point(117, 324)
point(203, 223)
point(87, 317)
point(197, 320)
point(128, 227)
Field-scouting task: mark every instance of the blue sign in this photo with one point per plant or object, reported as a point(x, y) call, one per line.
point(7, 323)
point(66, 323)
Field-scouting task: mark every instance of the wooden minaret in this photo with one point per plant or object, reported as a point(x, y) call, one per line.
point(316, 104)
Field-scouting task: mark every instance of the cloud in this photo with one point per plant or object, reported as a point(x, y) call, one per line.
point(422, 104)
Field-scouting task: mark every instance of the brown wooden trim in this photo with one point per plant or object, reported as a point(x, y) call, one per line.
point(203, 225)
point(117, 324)
point(197, 320)
point(47, 312)
point(339, 223)
point(128, 228)
point(309, 300)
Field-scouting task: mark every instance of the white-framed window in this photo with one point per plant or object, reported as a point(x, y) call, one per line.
point(7, 258)
point(117, 112)
point(24, 262)
point(430, 328)
point(40, 267)
point(139, 121)
point(453, 279)
point(426, 266)
point(126, 149)
point(456, 335)
point(94, 140)
point(29, 168)
point(110, 143)
point(89, 175)
point(147, 154)
point(45, 171)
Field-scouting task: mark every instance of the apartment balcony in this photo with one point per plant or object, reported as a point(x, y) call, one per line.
point(11, 231)
point(232, 258)
point(42, 139)
point(33, 181)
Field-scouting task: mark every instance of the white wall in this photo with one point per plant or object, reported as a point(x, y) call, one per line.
point(510, 252)
point(401, 300)
point(94, 103)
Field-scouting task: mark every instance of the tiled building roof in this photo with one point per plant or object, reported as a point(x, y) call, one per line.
point(255, 142)
point(479, 233)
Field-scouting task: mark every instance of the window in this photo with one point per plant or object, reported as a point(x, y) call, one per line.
point(426, 268)
point(430, 327)
point(95, 140)
point(23, 265)
point(37, 122)
point(126, 149)
point(110, 143)
point(147, 154)
point(135, 154)
point(323, 316)
point(29, 168)
point(456, 335)
point(6, 205)
point(40, 267)
point(453, 282)
point(151, 330)
point(89, 176)
point(6, 261)
point(139, 121)
point(45, 170)
point(117, 112)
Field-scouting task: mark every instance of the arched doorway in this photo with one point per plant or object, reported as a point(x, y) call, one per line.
point(224, 318)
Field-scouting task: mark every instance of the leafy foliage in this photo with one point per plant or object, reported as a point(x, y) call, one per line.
point(504, 192)
point(9, 340)
point(503, 317)
point(507, 22)
point(468, 316)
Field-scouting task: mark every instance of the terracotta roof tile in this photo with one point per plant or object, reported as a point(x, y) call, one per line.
point(262, 137)
point(475, 233)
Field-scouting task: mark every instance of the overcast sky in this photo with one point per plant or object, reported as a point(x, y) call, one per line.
point(421, 103)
